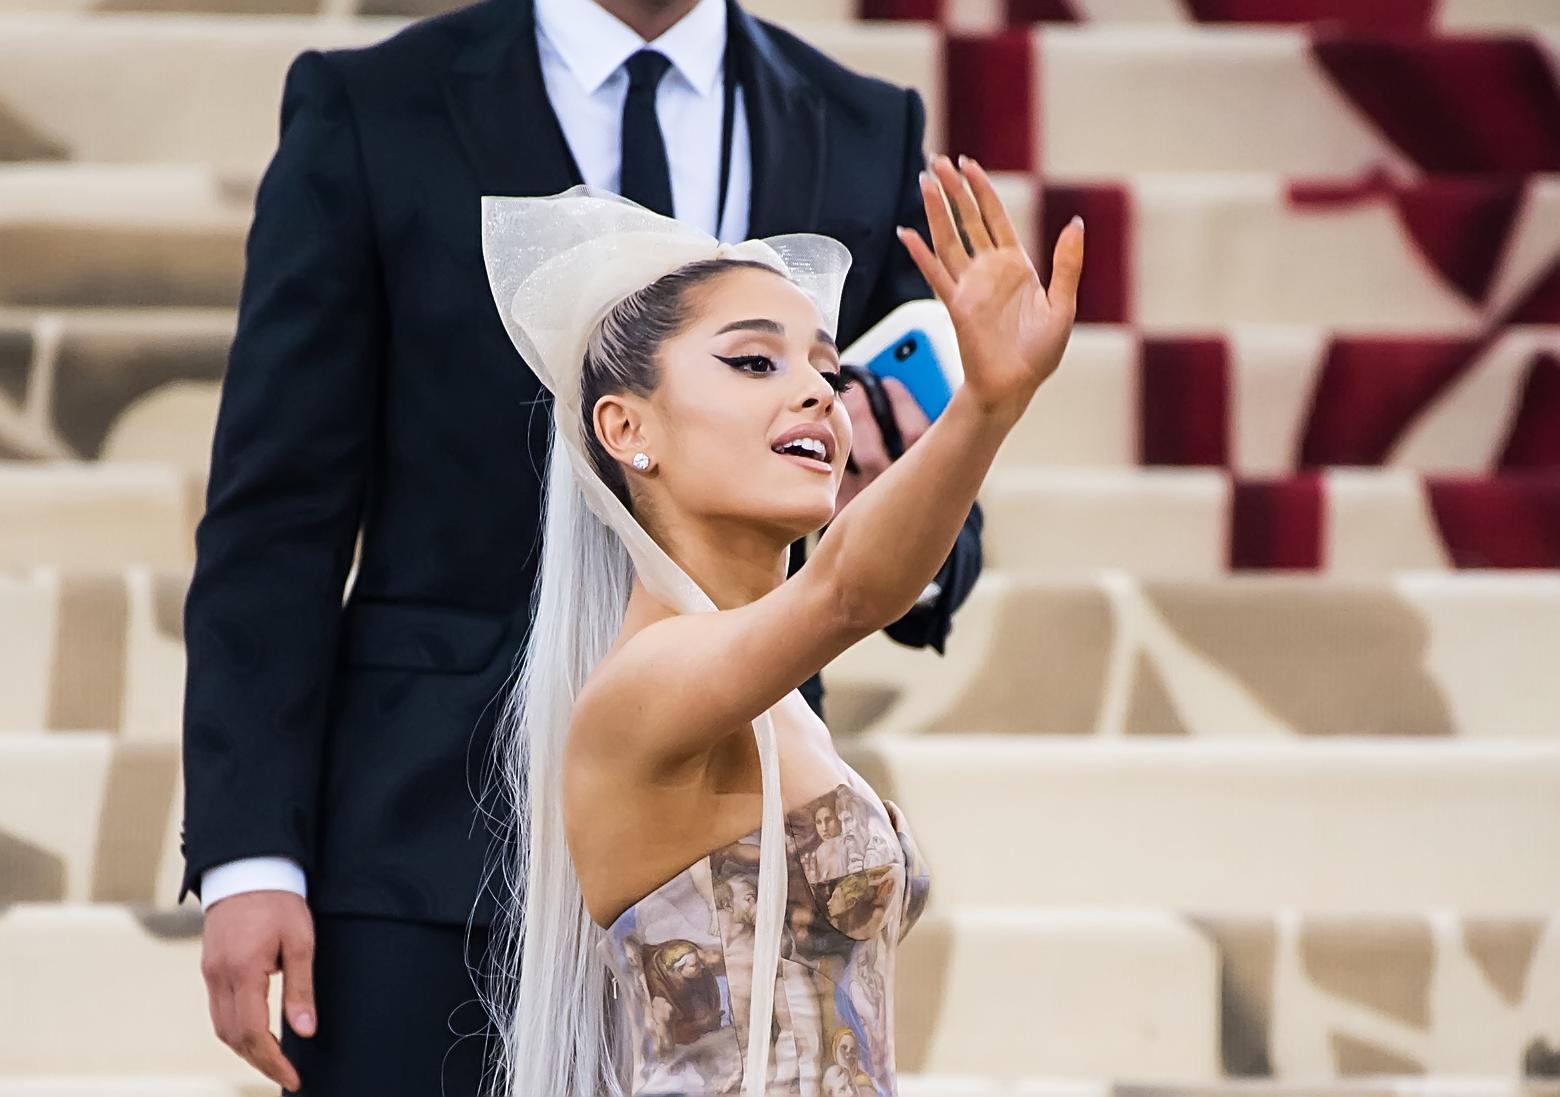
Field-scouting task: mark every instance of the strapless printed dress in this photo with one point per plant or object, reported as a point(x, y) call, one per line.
point(682, 958)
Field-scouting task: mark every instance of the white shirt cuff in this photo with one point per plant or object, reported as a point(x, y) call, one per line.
point(251, 874)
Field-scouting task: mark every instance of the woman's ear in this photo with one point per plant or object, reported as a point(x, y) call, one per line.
point(619, 421)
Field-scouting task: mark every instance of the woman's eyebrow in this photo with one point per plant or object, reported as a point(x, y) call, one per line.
point(769, 327)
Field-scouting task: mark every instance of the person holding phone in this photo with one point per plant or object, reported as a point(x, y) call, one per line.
point(332, 747)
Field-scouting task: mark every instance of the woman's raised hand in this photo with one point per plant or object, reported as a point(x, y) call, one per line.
point(1012, 330)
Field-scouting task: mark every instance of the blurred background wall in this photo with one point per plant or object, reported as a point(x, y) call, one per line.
point(1242, 771)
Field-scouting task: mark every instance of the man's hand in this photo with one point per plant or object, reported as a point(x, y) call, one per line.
point(248, 938)
point(866, 449)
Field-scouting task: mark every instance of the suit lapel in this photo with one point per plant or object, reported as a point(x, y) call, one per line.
point(786, 127)
point(500, 110)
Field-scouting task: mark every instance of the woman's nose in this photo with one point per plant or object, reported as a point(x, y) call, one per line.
point(818, 391)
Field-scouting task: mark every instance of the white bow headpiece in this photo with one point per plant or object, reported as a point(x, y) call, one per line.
point(558, 264)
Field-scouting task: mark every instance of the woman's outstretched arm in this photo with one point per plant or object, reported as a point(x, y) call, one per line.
point(682, 684)
point(1012, 331)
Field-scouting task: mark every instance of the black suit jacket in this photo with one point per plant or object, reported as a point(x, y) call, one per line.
point(371, 388)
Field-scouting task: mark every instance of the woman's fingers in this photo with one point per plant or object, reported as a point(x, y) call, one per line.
point(945, 235)
point(963, 201)
point(930, 266)
point(1066, 269)
point(962, 205)
point(998, 225)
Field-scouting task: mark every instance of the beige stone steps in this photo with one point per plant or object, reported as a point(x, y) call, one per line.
point(1326, 826)
point(103, 991)
point(1091, 413)
point(910, 1085)
point(1019, 1000)
point(1180, 524)
point(92, 651)
point(1227, 99)
point(86, 817)
point(99, 515)
point(1271, 658)
point(1146, 983)
point(99, 229)
point(206, 88)
point(1450, 15)
point(131, 385)
point(141, 383)
point(131, 1086)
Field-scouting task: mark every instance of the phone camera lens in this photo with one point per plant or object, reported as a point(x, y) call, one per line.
point(904, 350)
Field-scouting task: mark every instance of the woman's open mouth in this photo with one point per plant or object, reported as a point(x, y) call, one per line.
point(808, 446)
point(808, 462)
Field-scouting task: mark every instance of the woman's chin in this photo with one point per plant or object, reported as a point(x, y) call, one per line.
point(802, 513)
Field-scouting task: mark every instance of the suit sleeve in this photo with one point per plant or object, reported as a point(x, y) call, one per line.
point(289, 473)
point(901, 281)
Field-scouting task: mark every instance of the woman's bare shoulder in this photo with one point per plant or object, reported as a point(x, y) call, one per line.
point(612, 702)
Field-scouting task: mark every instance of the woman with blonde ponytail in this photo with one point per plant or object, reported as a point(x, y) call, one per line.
point(703, 899)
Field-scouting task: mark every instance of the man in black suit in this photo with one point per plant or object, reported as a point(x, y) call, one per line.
point(332, 751)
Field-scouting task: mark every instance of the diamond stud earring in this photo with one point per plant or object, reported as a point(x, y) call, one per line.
point(641, 461)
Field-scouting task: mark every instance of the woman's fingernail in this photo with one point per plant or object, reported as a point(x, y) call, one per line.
point(923, 178)
point(1077, 220)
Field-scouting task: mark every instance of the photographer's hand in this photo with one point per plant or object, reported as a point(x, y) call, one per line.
point(867, 452)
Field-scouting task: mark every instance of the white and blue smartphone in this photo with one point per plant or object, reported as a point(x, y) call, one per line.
point(913, 362)
point(916, 345)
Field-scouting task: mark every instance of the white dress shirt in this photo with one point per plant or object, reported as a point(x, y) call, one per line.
point(582, 49)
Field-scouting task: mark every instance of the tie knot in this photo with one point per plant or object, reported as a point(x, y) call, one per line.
point(645, 70)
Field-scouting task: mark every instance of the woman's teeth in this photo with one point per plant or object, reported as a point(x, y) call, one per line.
point(804, 447)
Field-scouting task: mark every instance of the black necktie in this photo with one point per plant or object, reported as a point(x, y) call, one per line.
point(646, 177)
